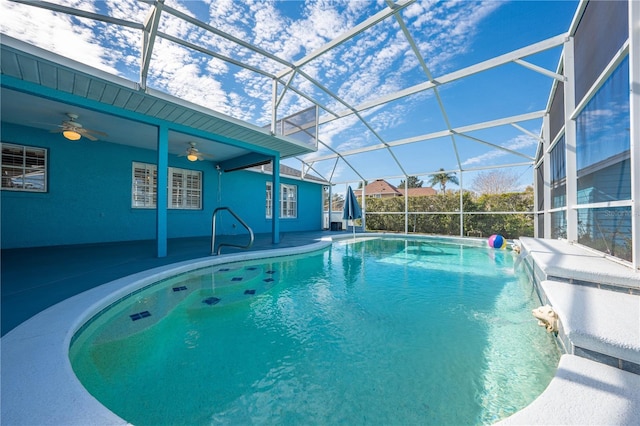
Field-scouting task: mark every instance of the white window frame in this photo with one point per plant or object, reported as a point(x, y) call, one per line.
point(33, 177)
point(288, 201)
point(144, 184)
point(269, 201)
point(184, 187)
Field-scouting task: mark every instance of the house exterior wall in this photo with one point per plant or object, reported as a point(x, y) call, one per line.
point(594, 182)
point(245, 193)
point(89, 197)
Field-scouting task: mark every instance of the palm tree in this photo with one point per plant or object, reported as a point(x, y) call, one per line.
point(443, 178)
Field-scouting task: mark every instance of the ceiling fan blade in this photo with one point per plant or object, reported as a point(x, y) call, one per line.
point(95, 132)
point(88, 136)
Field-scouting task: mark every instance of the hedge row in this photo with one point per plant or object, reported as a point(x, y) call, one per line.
point(424, 216)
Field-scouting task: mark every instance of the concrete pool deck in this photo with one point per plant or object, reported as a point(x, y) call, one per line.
point(39, 386)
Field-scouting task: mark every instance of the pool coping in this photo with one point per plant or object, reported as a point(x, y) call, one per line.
point(38, 382)
point(40, 387)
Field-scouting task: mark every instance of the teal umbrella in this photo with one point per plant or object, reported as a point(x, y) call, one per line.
point(352, 209)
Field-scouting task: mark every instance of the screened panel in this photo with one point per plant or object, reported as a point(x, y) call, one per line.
point(507, 225)
point(302, 126)
point(558, 174)
point(540, 225)
point(556, 112)
point(607, 230)
point(592, 51)
point(540, 187)
point(559, 224)
point(603, 142)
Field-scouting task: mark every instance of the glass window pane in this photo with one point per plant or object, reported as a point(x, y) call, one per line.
point(540, 187)
point(558, 174)
point(24, 168)
point(603, 142)
point(558, 225)
point(607, 230)
point(540, 220)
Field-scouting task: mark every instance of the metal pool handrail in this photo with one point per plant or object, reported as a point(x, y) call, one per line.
point(213, 232)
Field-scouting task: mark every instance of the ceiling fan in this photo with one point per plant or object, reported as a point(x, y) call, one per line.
point(193, 154)
point(73, 130)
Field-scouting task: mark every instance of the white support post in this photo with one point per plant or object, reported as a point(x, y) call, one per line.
point(546, 175)
point(274, 105)
point(634, 113)
point(275, 200)
point(461, 208)
point(330, 206)
point(570, 140)
point(364, 206)
point(406, 204)
point(162, 197)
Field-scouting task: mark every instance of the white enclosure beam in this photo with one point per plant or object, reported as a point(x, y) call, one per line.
point(211, 53)
point(457, 75)
point(546, 175)
point(634, 113)
point(527, 132)
point(433, 172)
point(363, 26)
point(570, 140)
point(81, 13)
point(226, 36)
point(540, 70)
point(148, 40)
point(440, 134)
point(501, 122)
point(498, 147)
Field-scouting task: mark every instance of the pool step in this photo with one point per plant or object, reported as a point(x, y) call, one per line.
point(599, 325)
point(558, 260)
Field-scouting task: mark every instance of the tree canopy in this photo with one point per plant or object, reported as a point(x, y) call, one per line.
point(442, 179)
point(497, 181)
point(412, 182)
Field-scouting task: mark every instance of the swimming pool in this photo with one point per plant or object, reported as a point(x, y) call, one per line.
point(377, 331)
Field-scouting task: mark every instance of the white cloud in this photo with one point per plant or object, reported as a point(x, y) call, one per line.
point(377, 62)
point(55, 32)
point(517, 143)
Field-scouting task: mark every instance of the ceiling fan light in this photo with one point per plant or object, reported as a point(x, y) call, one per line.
point(72, 135)
point(192, 157)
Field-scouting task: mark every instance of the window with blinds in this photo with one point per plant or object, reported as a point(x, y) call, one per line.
point(24, 168)
point(145, 182)
point(268, 204)
point(185, 187)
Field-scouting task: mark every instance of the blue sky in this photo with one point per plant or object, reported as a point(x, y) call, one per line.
point(450, 36)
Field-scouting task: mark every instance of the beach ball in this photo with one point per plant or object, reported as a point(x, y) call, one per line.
point(497, 241)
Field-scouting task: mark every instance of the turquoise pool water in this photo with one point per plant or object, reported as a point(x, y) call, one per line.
point(378, 331)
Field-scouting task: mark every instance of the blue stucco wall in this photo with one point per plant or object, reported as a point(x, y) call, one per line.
point(89, 197)
point(252, 204)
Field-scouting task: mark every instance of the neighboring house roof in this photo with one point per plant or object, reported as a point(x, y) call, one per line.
point(287, 172)
point(419, 192)
point(379, 187)
point(383, 188)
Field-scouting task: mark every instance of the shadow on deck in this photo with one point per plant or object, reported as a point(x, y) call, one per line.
point(34, 279)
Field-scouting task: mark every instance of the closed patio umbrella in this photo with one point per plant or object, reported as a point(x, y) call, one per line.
point(352, 209)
